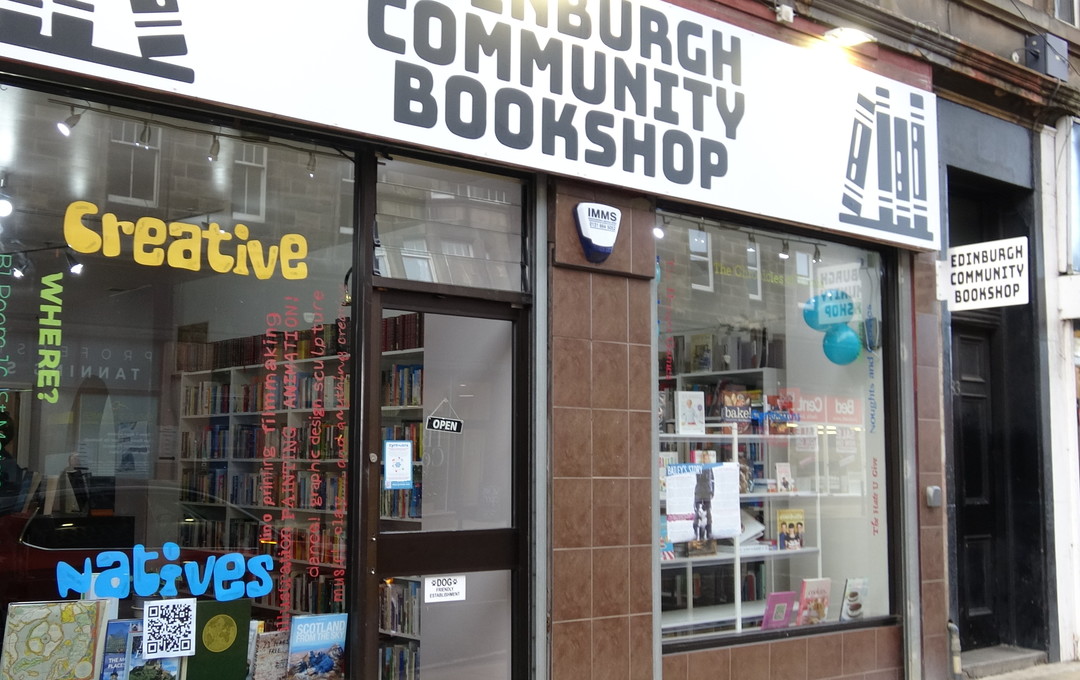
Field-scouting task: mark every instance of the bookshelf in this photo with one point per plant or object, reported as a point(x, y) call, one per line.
point(400, 606)
point(776, 464)
point(401, 508)
point(402, 414)
point(263, 451)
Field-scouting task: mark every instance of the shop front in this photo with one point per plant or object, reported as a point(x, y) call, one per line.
point(415, 351)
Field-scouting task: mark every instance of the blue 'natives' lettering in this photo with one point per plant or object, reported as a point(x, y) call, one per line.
point(119, 574)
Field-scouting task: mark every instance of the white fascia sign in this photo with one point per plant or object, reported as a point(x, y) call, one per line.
point(985, 275)
point(598, 229)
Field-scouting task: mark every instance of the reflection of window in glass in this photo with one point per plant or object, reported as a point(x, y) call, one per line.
point(382, 263)
point(416, 260)
point(1065, 10)
point(345, 200)
point(753, 274)
point(463, 268)
point(249, 183)
point(480, 212)
point(701, 271)
point(134, 154)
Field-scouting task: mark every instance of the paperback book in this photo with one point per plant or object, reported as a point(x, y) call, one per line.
point(779, 610)
point(139, 667)
point(791, 529)
point(58, 639)
point(785, 483)
point(813, 601)
point(854, 603)
point(118, 635)
point(317, 647)
point(271, 658)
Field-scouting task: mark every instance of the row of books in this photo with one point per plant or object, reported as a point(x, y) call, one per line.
point(404, 331)
point(218, 397)
point(204, 533)
point(204, 484)
point(316, 544)
point(321, 594)
point(403, 385)
point(399, 660)
point(330, 339)
point(402, 503)
point(249, 441)
point(399, 607)
point(314, 490)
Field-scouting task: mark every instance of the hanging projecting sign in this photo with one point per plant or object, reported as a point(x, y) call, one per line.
point(984, 275)
point(640, 94)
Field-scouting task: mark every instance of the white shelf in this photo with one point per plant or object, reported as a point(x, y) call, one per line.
point(729, 557)
point(703, 616)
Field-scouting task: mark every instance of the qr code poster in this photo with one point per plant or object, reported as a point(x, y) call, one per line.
point(169, 628)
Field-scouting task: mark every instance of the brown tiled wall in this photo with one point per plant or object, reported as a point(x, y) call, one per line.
point(601, 460)
point(871, 654)
point(601, 467)
point(930, 455)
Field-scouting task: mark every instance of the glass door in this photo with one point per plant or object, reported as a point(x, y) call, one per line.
point(446, 452)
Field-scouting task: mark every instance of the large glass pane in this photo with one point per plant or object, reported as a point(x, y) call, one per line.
point(185, 396)
point(448, 225)
point(446, 422)
point(446, 626)
point(772, 436)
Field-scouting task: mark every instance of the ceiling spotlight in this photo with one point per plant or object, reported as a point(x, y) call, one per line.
point(74, 266)
point(144, 136)
point(311, 165)
point(71, 121)
point(751, 245)
point(215, 149)
point(817, 254)
point(658, 232)
point(784, 254)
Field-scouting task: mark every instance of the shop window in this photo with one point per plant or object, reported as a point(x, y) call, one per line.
point(249, 183)
point(197, 404)
point(422, 207)
point(133, 164)
point(772, 450)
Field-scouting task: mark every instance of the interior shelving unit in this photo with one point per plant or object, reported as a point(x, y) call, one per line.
point(263, 445)
point(724, 590)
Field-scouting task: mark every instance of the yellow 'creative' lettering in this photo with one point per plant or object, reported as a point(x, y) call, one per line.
point(181, 245)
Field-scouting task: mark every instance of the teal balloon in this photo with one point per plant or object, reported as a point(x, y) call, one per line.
point(841, 345)
point(826, 310)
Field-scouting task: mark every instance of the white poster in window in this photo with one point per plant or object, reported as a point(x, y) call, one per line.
point(702, 501)
point(397, 464)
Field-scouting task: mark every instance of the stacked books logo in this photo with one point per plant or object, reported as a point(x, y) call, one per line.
point(885, 183)
point(155, 24)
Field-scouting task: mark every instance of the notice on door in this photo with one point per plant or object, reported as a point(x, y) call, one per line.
point(985, 275)
point(444, 588)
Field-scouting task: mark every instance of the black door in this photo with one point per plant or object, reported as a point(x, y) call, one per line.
point(983, 570)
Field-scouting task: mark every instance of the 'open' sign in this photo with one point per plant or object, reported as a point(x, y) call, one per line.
point(444, 424)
